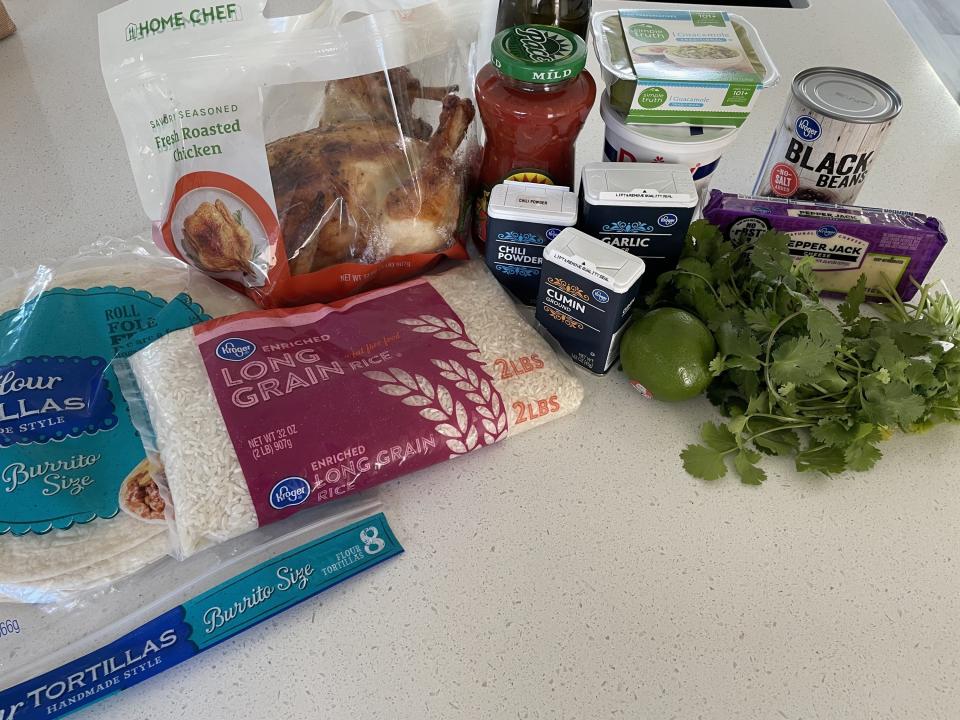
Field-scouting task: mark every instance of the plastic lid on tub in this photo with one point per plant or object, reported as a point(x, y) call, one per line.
point(848, 95)
point(681, 135)
point(539, 53)
point(585, 255)
point(533, 202)
point(610, 47)
point(639, 184)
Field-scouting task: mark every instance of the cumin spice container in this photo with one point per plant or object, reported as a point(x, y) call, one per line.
point(587, 288)
point(521, 219)
point(833, 127)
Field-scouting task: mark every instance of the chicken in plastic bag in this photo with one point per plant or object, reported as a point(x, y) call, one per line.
point(298, 159)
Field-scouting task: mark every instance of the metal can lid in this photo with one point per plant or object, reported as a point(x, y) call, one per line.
point(848, 95)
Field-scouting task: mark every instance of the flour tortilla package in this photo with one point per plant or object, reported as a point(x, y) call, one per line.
point(254, 417)
point(78, 508)
point(54, 663)
point(298, 159)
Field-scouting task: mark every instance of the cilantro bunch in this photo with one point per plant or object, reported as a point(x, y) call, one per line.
point(795, 378)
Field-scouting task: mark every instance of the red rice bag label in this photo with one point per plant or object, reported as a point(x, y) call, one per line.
point(324, 401)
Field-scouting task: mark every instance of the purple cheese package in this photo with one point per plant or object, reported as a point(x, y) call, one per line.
point(891, 248)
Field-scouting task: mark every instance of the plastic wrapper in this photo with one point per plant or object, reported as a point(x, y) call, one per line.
point(298, 159)
point(54, 663)
point(254, 417)
point(79, 508)
point(893, 249)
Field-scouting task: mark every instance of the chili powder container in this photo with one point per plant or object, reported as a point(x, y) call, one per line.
point(587, 288)
point(521, 219)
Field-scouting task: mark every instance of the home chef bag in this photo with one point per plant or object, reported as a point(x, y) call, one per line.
point(299, 159)
point(256, 416)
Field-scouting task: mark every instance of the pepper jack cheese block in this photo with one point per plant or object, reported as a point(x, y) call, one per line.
point(893, 249)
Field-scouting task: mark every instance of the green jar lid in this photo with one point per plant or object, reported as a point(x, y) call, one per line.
point(539, 53)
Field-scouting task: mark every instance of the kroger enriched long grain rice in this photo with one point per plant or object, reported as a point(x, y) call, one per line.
point(256, 416)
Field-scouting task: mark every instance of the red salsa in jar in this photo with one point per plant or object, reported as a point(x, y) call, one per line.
point(533, 97)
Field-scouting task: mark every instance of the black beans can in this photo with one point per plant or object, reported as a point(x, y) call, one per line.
point(828, 139)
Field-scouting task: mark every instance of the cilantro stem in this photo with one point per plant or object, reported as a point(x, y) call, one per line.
point(766, 363)
point(703, 279)
point(781, 418)
point(797, 426)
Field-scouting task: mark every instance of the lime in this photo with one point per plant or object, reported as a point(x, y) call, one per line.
point(667, 354)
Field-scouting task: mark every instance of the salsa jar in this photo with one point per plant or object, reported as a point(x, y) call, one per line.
point(533, 97)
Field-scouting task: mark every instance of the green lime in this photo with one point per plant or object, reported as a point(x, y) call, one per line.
point(667, 354)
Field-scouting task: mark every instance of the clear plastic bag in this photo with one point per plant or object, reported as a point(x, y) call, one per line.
point(255, 417)
point(79, 508)
point(299, 159)
point(56, 659)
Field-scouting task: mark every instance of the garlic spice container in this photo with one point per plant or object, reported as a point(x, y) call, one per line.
point(643, 208)
point(521, 219)
point(587, 289)
point(831, 131)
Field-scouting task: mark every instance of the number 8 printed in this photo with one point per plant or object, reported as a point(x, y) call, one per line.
point(372, 542)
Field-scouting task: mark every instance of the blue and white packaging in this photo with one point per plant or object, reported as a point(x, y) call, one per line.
point(54, 663)
point(521, 219)
point(642, 208)
point(587, 289)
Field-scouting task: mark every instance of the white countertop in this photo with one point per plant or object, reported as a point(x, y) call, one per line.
point(574, 572)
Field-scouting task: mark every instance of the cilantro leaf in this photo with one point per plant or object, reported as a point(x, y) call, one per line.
point(889, 357)
point(745, 464)
point(771, 257)
point(850, 308)
point(862, 455)
point(892, 403)
point(834, 433)
point(770, 437)
point(717, 437)
point(798, 360)
point(827, 460)
point(703, 462)
point(823, 325)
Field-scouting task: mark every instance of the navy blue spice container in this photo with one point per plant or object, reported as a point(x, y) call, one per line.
point(587, 288)
point(521, 219)
point(643, 208)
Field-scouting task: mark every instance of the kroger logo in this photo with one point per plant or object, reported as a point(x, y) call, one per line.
point(552, 233)
point(600, 296)
point(827, 231)
point(289, 492)
point(668, 220)
point(235, 349)
point(807, 128)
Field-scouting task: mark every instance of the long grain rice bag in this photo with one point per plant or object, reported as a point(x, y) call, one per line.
point(256, 416)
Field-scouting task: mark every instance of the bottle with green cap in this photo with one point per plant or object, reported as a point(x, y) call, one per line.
point(534, 97)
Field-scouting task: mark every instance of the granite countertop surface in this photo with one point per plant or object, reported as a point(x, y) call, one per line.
point(576, 571)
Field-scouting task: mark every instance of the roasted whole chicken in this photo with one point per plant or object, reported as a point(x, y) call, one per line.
point(216, 240)
point(365, 185)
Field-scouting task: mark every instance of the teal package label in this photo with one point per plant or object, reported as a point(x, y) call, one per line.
point(66, 438)
point(210, 618)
